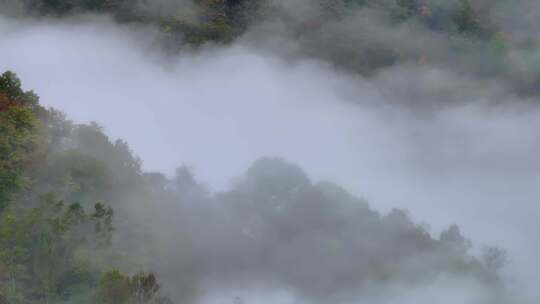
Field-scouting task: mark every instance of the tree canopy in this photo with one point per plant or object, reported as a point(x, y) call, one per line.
point(61, 241)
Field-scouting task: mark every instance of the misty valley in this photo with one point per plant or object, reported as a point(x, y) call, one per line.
point(269, 151)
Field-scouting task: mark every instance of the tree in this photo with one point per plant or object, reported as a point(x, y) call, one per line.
point(117, 288)
point(10, 85)
point(468, 22)
point(494, 259)
point(145, 287)
point(37, 245)
point(455, 241)
point(114, 288)
point(18, 135)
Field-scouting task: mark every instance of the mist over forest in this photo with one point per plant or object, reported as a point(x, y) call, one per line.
point(269, 151)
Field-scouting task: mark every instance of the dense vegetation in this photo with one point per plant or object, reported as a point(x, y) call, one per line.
point(364, 36)
point(385, 31)
point(47, 227)
point(61, 242)
point(228, 18)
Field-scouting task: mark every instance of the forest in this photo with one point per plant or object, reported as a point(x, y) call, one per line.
point(82, 220)
point(66, 225)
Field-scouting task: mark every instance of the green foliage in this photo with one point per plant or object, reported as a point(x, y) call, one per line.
point(38, 245)
point(18, 135)
point(10, 85)
point(114, 288)
point(103, 218)
point(145, 288)
point(47, 245)
point(52, 250)
point(405, 9)
point(62, 7)
point(222, 21)
point(466, 19)
point(117, 288)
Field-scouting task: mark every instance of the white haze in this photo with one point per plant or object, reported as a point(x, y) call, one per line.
point(218, 110)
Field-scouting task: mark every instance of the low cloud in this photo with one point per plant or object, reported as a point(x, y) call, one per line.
point(470, 159)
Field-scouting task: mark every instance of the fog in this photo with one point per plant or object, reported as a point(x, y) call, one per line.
point(473, 163)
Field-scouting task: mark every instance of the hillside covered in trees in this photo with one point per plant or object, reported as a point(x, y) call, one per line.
point(490, 42)
point(492, 39)
point(82, 223)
